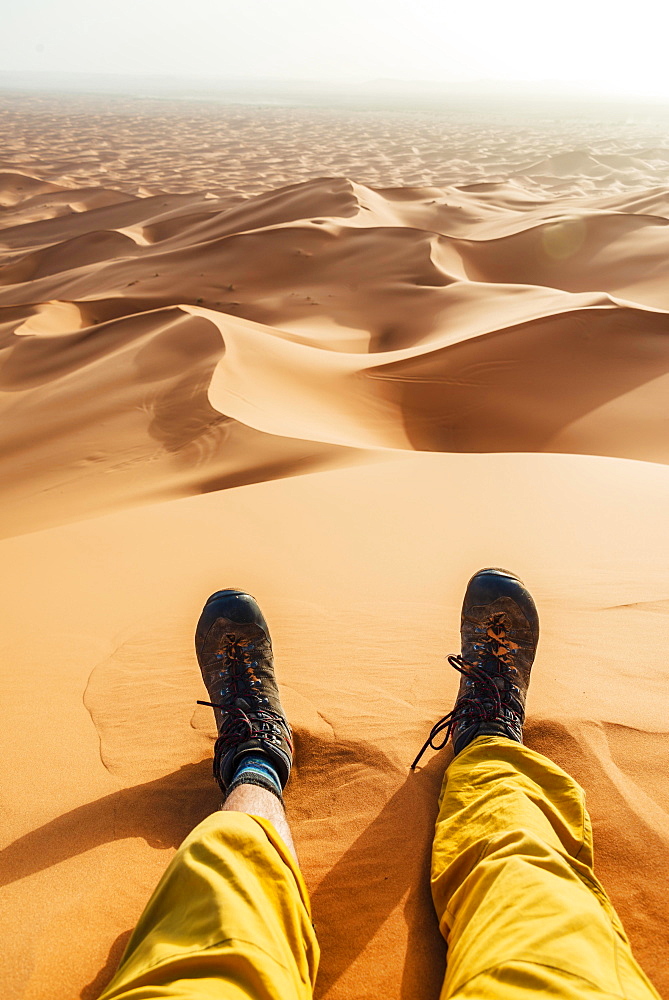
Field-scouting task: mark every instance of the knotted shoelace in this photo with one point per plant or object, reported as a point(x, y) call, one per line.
point(472, 709)
point(237, 727)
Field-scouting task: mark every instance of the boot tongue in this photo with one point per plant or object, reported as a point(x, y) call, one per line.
point(244, 704)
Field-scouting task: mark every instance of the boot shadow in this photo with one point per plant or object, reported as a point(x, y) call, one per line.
point(162, 812)
point(371, 875)
point(387, 863)
point(92, 990)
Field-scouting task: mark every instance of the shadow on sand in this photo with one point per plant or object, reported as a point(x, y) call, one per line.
point(386, 863)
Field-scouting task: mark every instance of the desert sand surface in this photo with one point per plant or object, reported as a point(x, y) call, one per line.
point(342, 360)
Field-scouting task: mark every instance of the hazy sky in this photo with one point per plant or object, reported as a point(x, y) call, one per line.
point(607, 46)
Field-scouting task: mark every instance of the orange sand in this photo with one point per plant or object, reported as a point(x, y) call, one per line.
point(344, 396)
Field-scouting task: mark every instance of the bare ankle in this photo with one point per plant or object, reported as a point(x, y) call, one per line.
point(258, 801)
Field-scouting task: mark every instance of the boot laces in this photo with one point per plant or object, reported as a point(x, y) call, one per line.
point(238, 662)
point(241, 680)
point(488, 700)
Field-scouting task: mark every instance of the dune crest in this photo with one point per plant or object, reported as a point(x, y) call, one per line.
point(325, 319)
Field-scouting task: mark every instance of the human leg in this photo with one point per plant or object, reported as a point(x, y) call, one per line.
point(259, 802)
point(512, 865)
point(230, 919)
point(514, 888)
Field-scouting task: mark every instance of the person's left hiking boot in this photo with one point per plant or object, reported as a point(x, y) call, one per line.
point(234, 650)
point(499, 632)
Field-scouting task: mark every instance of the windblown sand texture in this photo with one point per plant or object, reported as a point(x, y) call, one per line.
point(359, 358)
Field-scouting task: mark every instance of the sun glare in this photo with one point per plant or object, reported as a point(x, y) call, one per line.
point(582, 46)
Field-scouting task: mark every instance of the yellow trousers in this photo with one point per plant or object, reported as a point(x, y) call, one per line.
point(512, 883)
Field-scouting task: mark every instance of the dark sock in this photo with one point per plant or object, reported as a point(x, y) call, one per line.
point(256, 769)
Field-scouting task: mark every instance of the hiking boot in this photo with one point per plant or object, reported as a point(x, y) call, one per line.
point(234, 650)
point(499, 630)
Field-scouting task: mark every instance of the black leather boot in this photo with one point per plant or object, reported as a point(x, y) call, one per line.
point(234, 650)
point(499, 631)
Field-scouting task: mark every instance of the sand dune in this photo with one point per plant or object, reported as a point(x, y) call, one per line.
point(364, 356)
point(329, 314)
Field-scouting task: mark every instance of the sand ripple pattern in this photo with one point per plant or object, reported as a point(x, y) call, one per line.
point(156, 346)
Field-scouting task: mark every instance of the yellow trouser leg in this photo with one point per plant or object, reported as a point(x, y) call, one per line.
point(513, 885)
point(229, 920)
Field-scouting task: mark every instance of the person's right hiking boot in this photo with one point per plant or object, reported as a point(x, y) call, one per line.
point(234, 650)
point(499, 631)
